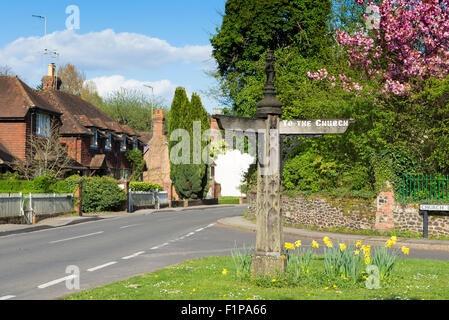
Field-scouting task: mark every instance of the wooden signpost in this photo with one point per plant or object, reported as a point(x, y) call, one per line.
point(277, 139)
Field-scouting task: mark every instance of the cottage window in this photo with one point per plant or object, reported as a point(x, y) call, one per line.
point(43, 125)
point(123, 145)
point(109, 141)
point(94, 140)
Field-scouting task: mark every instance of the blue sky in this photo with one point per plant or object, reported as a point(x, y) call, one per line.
point(164, 44)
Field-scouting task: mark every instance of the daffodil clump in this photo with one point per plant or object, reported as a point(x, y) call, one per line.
point(298, 259)
point(385, 258)
point(345, 261)
point(242, 259)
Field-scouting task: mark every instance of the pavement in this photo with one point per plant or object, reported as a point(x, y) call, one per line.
point(235, 222)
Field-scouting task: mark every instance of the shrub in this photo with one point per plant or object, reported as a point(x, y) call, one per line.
point(102, 194)
point(43, 183)
point(144, 186)
point(16, 186)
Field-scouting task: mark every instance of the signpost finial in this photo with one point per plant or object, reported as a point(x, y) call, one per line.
point(269, 105)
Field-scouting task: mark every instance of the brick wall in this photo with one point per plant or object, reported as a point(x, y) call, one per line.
point(13, 137)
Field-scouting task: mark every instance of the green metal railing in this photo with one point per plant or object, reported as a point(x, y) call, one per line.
point(424, 187)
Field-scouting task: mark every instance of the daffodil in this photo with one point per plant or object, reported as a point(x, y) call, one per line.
point(298, 243)
point(405, 250)
point(357, 252)
point(289, 245)
point(367, 260)
point(394, 239)
point(358, 243)
point(329, 244)
point(342, 246)
point(326, 239)
point(282, 256)
point(315, 244)
point(389, 244)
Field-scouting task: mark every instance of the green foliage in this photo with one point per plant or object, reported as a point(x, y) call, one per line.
point(191, 180)
point(135, 158)
point(43, 183)
point(242, 259)
point(102, 194)
point(144, 186)
point(344, 263)
point(309, 171)
point(132, 108)
point(39, 185)
point(385, 261)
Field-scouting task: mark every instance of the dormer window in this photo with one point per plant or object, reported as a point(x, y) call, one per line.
point(94, 139)
point(108, 144)
point(123, 145)
point(42, 125)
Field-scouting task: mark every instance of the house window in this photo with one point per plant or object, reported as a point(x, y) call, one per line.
point(43, 125)
point(94, 140)
point(123, 145)
point(136, 144)
point(108, 145)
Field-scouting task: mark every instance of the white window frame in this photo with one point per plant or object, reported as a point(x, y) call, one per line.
point(123, 144)
point(94, 139)
point(108, 145)
point(43, 122)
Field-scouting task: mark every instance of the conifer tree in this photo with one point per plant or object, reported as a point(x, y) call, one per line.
point(191, 179)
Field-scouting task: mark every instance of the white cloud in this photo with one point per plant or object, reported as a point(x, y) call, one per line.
point(105, 51)
point(163, 88)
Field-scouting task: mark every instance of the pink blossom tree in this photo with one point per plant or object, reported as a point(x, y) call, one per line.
point(404, 43)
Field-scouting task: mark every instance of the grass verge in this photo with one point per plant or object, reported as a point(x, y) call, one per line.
point(204, 279)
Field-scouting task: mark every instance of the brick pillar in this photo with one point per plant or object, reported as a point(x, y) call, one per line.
point(79, 197)
point(385, 205)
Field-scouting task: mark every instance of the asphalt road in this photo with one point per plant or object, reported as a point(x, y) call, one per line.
point(34, 265)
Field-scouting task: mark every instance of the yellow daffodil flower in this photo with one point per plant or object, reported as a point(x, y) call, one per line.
point(289, 245)
point(394, 239)
point(358, 243)
point(315, 244)
point(298, 243)
point(342, 246)
point(405, 250)
point(389, 244)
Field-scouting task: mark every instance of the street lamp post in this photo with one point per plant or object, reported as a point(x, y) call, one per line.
point(152, 97)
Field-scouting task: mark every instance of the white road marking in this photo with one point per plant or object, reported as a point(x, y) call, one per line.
point(7, 297)
point(133, 255)
point(131, 225)
point(52, 283)
point(78, 237)
point(102, 266)
point(200, 229)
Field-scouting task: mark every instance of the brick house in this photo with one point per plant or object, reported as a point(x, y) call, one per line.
point(92, 138)
point(23, 115)
point(96, 143)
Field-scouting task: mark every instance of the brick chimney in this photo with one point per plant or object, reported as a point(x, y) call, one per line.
point(51, 81)
point(158, 123)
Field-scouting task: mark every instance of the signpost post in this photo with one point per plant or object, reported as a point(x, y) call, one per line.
point(277, 139)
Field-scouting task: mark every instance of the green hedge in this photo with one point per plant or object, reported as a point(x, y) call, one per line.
point(102, 194)
point(144, 186)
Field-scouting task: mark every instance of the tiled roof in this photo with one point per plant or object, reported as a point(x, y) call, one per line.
point(78, 115)
point(16, 98)
point(145, 137)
